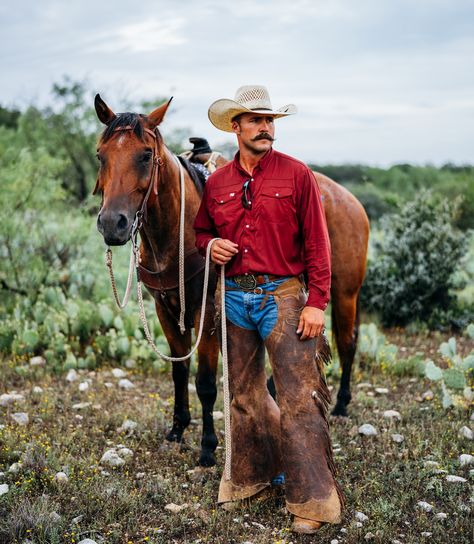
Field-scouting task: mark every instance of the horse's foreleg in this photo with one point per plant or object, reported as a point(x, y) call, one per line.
point(180, 344)
point(207, 392)
point(345, 325)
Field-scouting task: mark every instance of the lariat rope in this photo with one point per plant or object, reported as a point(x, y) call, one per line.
point(134, 263)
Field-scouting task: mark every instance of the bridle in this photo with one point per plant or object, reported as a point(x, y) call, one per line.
point(141, 216)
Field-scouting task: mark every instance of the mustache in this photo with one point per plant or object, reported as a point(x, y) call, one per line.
point(263, 136)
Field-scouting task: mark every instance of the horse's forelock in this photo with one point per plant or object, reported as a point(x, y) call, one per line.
point(133, 120)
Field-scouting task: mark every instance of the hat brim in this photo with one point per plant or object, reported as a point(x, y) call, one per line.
point(221, 112)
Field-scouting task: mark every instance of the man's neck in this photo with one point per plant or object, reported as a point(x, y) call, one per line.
point(249, 160)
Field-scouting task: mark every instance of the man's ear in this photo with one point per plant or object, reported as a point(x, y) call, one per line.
point(235, 127)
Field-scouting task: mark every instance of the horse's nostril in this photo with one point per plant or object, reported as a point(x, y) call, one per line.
point(99, 220)
point(122, 222)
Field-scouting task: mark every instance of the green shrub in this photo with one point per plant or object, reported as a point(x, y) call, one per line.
point(411, 273)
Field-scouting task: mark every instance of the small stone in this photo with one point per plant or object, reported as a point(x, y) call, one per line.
point(334, 541)
point(108, 385)
point(38, 361)
point(218, 415)
point(426, 534)
point(431, 464)
point(130, 363)
point(61, 478)
point(367, 430)
point(126, 384)
point(10, 398)
point(83, 386)
point(87, 541)
point(358, 524)
point(191, 388)
point(55, 517)
point(369, 536)
point(176, 508)
point(395, 541)
point(72, 375)
point(20, 418)
point(258, 525)
point(15, 468)
point(77, 520)
point(455, 479)
point(112, 458)
point(118, 373)
point(125, 453)
point(426, 506)
point(127, 426)
point(466, 432)
point(392, 414)
point(37, 390)
point(427, 395)
point(140, 475)
point(441, 515)
point(359, 516)
point(381, 390)
point(398, 438)
point(466, 459)
point(3, 489)
point(81, 405)
point(364, 385)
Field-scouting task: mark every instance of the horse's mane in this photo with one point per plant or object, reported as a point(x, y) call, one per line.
point(127, 119)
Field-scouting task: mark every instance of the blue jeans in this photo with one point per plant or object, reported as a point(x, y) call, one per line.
point(250, 310)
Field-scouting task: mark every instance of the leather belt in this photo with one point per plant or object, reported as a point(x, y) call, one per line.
point(250, 281)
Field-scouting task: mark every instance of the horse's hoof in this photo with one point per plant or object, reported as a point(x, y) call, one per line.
point(174, 436)
point(207, 459)
point(340, 411)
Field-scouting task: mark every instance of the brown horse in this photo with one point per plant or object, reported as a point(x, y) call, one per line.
point(348, 228)
point(139, 175)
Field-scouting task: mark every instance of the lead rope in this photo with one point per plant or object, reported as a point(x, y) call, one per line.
point(182, 297)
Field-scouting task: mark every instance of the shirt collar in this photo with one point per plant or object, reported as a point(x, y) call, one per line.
point(261, 165)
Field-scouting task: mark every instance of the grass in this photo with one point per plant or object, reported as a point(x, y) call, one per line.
point(381, 478)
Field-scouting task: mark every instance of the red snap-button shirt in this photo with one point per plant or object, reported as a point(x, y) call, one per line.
point(284, 233)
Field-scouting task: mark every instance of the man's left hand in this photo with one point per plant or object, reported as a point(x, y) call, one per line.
point(311, 323)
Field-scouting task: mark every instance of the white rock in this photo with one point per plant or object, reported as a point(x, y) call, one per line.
point(55, 517)
point(3, 489)
point(191, 388)
point(358, 524)
point(77, 520)
point(217, 415)
point(140, 475)
point(37, 361)
point(37, 390)
point(108, 385)
point(334, 541)
point(426, 506)
point(359, 516)
point(258, 525)
point(83, 386)
point(118, 373)
point(176, 508)
point(112, 458)
point(395, 541)
point(369, 536)
point(398, 438)
point(81, 405)
point(87, 541)
point(10, 398)
point(431, 464)
point(466, 432)
point(127, 426)
point(61, 478)
point(441, 515)
point(428, 395)
point(426, 534)
point(364, 385)
point(130, 363)
point(455, 479)
point(392, 414)
point(15, 468)
point(20, 418)
point(367, 430)
point(125, 453)
point(466, 459)
point(381, 390)
point(126, 384)
point(72, 375)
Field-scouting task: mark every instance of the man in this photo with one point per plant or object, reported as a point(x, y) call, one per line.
point(266, 209)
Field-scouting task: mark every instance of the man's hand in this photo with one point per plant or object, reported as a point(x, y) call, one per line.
point(311, 323)
point(222, 251)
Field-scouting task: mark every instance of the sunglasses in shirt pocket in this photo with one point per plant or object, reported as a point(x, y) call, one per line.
point(277, 204)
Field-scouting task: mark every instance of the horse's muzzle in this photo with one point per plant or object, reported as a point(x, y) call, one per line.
point(116, 228)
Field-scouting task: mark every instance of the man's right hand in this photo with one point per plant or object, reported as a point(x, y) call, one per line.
point(222, 251)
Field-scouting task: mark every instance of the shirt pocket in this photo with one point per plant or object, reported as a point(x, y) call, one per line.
point(277, 204)
point(225, 207)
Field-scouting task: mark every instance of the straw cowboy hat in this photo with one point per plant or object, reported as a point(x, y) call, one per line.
point(248, 99)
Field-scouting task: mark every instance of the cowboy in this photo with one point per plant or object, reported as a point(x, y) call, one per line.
point(265, 209)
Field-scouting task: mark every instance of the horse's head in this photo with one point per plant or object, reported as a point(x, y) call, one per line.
point(130, 155)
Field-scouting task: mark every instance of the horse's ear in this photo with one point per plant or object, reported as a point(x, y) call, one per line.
point(156, 116)
point(104, 113)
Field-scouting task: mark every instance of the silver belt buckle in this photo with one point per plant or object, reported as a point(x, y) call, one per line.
point(246, 282)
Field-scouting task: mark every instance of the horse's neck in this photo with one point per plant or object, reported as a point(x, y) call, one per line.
point(160, 234)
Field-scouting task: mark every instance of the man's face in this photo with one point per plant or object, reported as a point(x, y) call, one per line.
point(255, 132)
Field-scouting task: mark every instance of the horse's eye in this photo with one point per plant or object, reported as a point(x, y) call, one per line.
point(146, 156)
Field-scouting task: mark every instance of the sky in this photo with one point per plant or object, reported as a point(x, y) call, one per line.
point(375, 81)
